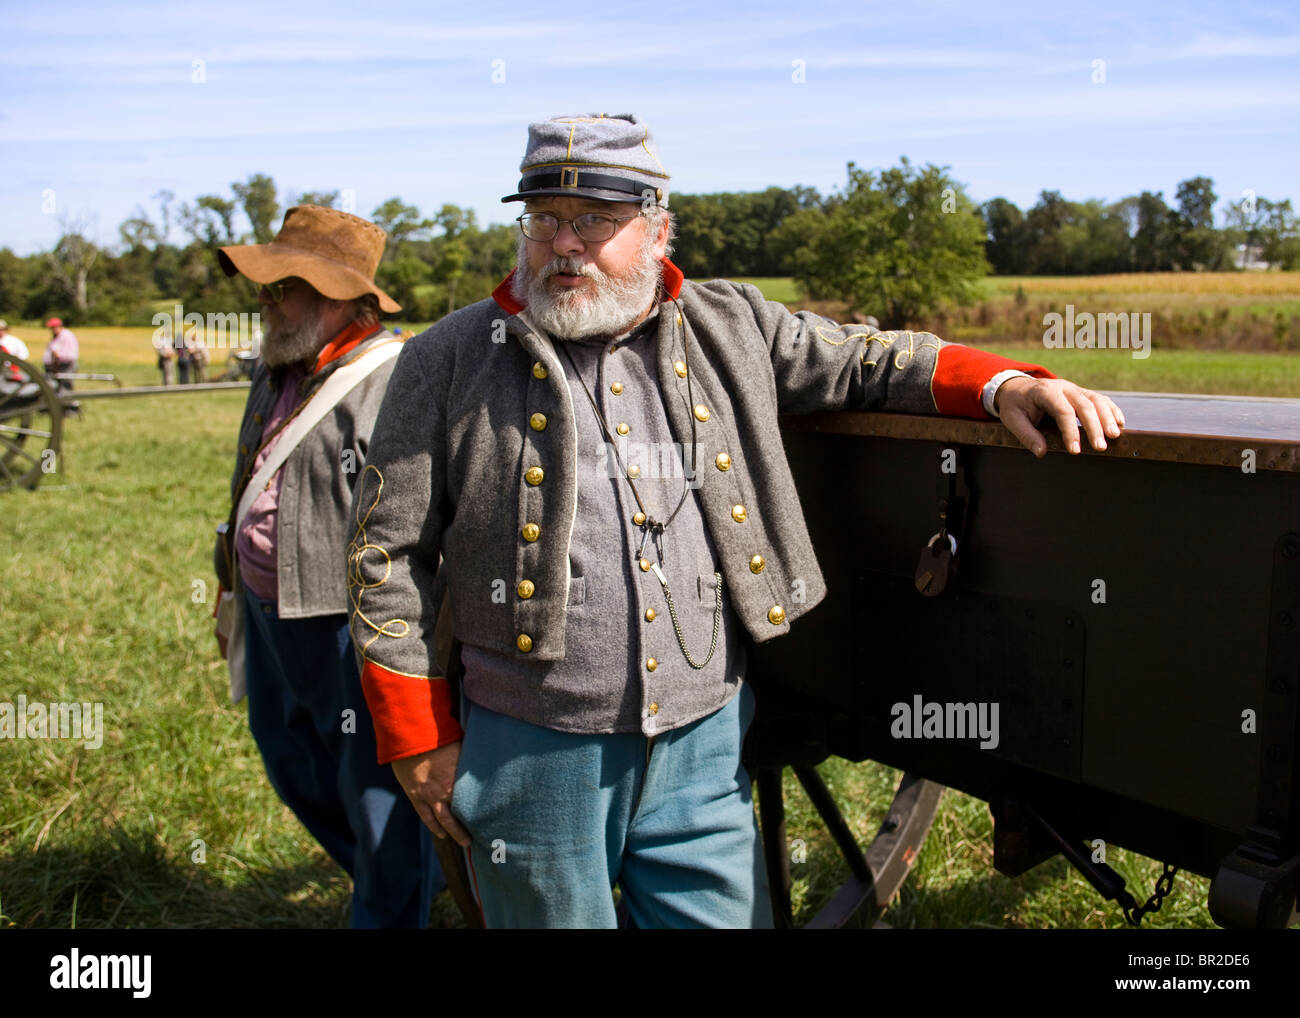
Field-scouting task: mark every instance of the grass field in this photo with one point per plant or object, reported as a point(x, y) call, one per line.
point(107, 586)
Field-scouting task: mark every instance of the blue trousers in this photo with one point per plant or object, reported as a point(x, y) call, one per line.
point(302, 678)
point(556, 819)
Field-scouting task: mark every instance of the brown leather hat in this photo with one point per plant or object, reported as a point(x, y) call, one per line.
point(335, 252)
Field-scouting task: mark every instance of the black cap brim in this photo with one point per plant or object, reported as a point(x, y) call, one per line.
point(573, 192)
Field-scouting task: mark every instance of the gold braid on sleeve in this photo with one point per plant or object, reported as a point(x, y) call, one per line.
point(357, 583)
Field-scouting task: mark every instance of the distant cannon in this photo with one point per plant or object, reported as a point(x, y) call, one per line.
point(32, 412)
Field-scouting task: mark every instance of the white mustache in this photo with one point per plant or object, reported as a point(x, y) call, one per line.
point(569, 266)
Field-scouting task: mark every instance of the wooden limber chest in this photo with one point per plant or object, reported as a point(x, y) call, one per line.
point(1133, 616)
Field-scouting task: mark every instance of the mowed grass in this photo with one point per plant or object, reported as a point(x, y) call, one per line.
point(1202, 371)
point(107, 597)
point(779, 288)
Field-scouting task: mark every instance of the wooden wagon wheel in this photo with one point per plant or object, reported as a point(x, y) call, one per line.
point(875, 875)
point(31, 425)
point(792, 729)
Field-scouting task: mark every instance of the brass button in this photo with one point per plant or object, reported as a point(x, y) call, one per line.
point(525, 589)
point(634, 471)
point(756, 564)
point(616, 388)
point(534, 476)
point(776, 615)
point(701, 412)
point(257, 418)
point(539, 370)
point(531, 532)
point(538, 422)
point(650, 615)
point(679, 319)
point(243, 450)
point(738, 513)
point(653, 708)
point(723, 461)
point(680, 368)
point(645, 565)
point(651, 665)
point(638, 518)
point(524, 642)
point(622, 429)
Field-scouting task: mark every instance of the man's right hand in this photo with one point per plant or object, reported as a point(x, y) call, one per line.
point(427, 780)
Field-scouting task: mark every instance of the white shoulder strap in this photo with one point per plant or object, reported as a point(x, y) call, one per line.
point(342, 381)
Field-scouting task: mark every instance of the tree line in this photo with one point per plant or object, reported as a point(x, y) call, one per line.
point(430, 264)
point(892, 242)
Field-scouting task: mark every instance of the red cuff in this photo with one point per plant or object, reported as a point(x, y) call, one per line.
point(960, 374)
point(412, 715)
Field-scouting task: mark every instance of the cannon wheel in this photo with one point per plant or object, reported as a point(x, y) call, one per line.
point(31, 425)
point(875, 875)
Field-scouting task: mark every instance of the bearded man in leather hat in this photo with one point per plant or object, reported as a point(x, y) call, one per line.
point(591, 461)
point(325, 361)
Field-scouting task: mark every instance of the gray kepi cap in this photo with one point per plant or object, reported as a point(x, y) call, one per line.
point(594, 155)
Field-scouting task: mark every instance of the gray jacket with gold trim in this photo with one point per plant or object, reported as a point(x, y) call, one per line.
point(312, 516)
point(456, 468)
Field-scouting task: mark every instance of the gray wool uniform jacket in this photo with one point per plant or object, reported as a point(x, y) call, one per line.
point(312, 518)
point(473, 458)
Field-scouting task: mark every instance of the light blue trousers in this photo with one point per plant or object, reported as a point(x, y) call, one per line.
point(557, 819)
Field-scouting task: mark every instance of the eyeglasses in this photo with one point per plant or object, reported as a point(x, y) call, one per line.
point(277, 289)
point(592, 227)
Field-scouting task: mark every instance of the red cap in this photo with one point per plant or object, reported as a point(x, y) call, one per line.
point(53, 322)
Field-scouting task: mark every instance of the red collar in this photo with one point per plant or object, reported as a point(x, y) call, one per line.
point(344, 342)
point(672, 281)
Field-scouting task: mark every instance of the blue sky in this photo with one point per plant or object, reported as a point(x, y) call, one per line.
point(98, 102)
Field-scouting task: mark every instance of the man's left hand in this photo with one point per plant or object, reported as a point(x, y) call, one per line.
point(1022, 403)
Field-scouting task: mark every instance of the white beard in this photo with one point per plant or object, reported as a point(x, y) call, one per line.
point(615, 305)
point(292, 345)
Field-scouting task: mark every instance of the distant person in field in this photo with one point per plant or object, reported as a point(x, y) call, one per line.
point(166, 351)
point(198, 354)
point(61, 354)
point(11, 344)
point(283, 569)
point(15, 347)
point(183, 361)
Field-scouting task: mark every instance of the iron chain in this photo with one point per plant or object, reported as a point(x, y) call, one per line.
point(1134, 912)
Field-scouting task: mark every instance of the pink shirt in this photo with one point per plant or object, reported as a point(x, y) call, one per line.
point(255, 544)
point(63, 348)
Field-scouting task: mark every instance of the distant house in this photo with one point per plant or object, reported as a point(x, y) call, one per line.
point(1250, 256)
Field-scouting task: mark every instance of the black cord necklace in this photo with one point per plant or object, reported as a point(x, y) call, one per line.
point(652, 529)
